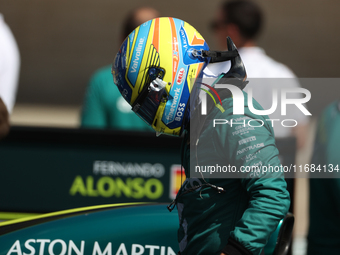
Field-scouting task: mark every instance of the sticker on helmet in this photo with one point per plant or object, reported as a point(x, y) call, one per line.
point(180, 76)
point(138, 52)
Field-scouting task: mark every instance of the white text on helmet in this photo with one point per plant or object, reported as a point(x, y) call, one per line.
point(180, 76)
point(173, 105)
point(184, 40)
point(138, 51)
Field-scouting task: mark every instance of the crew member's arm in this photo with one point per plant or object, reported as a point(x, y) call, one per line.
point(323, 155)
point(4, 121)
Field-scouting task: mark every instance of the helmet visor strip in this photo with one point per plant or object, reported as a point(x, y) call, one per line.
point(148, 101)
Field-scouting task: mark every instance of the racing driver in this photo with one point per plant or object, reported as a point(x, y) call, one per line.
point(157, 70)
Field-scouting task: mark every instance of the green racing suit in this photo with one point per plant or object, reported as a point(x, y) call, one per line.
point(241, 219)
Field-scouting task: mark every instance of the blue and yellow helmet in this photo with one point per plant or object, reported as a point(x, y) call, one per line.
point(155, 70)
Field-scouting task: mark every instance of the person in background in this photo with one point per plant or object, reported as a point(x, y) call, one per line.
point(9, 65)
point(242, 21)
point(103, 106)
point(324, 198)
point(4, 122)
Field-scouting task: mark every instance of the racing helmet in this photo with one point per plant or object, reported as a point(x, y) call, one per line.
point(155, 70)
